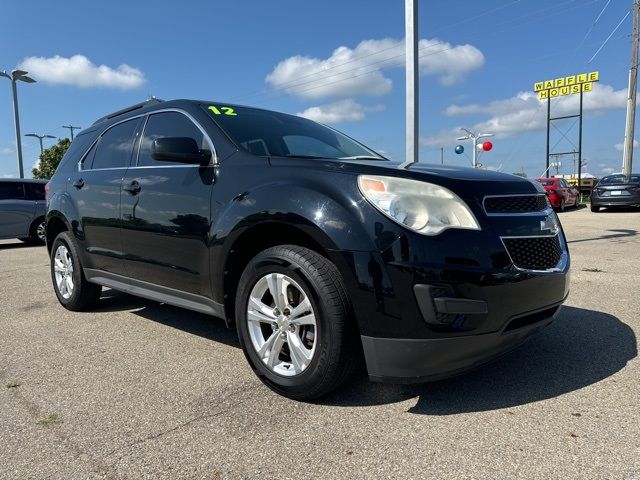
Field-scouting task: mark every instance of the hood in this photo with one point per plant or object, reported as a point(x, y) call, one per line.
point(481, 182)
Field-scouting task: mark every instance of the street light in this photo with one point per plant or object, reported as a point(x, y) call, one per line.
point(475, 137)
point(14, 77)
point(71, 129)
point(39, 137)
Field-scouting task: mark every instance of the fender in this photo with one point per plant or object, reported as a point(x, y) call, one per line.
point(338, 228)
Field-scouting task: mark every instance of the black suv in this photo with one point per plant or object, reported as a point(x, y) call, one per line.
point(320, 251)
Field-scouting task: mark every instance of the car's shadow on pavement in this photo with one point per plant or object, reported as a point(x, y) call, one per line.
point(580, 348)
point(191, 322)
point(19, 244)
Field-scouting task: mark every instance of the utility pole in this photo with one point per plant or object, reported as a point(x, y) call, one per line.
point(71, 129)
point(17, 75)
point(412, 72)
point(441, 155)
point(627, 157)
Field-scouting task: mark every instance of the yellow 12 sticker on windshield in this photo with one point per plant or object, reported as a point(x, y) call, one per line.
point(225, 110)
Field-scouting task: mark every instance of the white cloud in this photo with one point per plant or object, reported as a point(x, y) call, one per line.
point(346, 110)
point(620, 146)
point(608, 170)
point(525, 112)
point(6, 151)
point(358, 72)
point(7, 175)
point(79, 71)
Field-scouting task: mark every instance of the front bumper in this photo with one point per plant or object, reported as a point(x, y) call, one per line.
point(407, 360)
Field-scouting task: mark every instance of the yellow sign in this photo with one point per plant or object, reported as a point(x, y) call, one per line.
point(583, 82)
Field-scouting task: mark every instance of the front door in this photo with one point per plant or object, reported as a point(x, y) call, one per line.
point(166, 211)
point(96, 188)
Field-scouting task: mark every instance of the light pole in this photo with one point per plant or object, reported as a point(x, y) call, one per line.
point(14, 77)
point(39, 137)
point(412, 81)
point(474, 137)
point(71, 129)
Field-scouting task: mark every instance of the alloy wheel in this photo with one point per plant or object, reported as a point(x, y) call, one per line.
point(41, 231)
point(63, 270)
point(282, 324)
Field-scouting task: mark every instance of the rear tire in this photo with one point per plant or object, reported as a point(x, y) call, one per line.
point(73, 290)
point(305, 360)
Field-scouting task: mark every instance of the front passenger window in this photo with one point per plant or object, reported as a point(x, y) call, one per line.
point(168, 124)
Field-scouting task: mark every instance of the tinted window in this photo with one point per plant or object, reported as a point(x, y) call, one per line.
point(11, 191)
point(168, 124)
point(114, 148)
point(619, 180)
point(35, 191)
point(545, 182)
point(263, 132)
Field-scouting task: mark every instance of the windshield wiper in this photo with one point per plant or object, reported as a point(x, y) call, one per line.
point(362, 157)
point(291, 155)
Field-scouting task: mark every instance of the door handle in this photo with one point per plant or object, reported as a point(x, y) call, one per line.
point(78, 183)
point(133, 188)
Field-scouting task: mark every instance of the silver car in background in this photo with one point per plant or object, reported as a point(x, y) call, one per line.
point(22, 210)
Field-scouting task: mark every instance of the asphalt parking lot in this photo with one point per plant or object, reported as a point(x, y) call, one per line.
point(136, 389)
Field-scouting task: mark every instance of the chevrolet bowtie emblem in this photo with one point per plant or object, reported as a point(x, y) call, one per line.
point(549, 224)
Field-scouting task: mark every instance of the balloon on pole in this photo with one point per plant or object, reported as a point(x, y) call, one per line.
point(459, 149)
point(486, 146)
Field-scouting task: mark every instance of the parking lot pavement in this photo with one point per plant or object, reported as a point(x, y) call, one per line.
point(136, 389)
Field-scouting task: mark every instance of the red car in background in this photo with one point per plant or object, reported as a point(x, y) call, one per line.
point(561, 194)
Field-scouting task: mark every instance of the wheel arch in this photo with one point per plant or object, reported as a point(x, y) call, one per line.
point(258, 237)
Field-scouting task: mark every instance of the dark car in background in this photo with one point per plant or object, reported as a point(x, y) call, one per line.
point(318, 250)
point(22, 210)
point(561, 194)
point(616, 191)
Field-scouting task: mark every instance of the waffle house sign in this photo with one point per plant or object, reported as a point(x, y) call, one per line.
point(559, 87)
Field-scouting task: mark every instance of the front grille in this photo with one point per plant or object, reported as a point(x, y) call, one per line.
point(534, 253)
point(516, 204)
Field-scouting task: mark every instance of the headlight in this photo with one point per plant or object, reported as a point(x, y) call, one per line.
point(423, 207)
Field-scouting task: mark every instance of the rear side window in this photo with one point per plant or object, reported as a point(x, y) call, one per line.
point(11, 191)
point(115, 146)
point(168, 124)
point(35, 191)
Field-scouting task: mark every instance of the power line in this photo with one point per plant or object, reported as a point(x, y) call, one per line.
point(292, 83)
point(609, 37)
point(396, 46)
point(593, 25)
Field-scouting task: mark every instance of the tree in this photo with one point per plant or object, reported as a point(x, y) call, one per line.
point(50, 159)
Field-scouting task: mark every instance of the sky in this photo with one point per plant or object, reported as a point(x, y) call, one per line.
point(337, 62)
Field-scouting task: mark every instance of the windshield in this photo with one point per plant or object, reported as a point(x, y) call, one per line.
point(267, 133)
point(619, 179)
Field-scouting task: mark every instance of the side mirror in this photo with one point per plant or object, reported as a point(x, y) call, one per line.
point(179, 149)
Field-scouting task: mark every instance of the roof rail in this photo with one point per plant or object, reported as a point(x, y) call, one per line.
point(150, 101)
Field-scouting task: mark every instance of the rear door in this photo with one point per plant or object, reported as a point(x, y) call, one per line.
point(35, 193)
point(96, 188)
point(166, 212)
point(16, 211)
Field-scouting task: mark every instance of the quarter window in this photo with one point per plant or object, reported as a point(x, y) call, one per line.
point(114, 148)
point(11, 191)
point(168, 124)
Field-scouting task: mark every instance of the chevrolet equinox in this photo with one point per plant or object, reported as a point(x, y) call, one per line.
point(318, 250)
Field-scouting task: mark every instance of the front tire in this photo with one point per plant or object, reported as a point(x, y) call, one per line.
point(595, 209)
point(294, 322)
point(73, 290)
